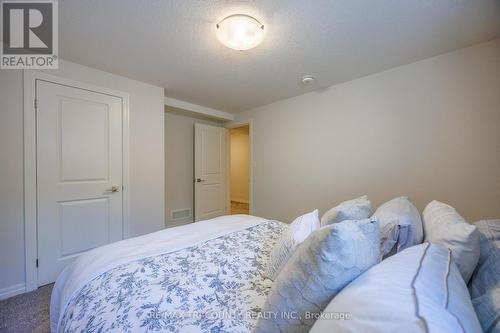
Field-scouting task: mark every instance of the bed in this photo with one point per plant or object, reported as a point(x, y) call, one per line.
point(202, 277)
point(205, 277)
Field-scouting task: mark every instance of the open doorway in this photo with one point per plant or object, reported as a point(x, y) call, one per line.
point(239, 169)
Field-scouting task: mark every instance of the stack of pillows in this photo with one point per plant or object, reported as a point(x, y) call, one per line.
point(420, 289)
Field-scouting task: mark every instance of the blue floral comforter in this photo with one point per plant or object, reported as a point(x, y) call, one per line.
point(215, 286)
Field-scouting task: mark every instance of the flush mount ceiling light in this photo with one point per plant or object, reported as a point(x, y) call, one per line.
point(240, 32)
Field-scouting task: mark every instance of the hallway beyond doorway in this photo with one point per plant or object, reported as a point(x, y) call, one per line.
point(239, 208)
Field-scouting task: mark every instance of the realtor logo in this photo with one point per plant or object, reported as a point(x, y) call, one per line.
point(29, 34)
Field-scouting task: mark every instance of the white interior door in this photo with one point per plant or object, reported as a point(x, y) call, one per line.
point(209, 171)
point(79, 174)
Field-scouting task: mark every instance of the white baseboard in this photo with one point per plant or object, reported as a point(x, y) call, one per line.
point(12, 291)
point(176, 223)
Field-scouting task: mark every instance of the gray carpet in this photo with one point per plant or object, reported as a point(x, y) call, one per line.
point(27, 312)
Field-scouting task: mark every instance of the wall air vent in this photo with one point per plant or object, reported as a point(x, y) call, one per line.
point(180, 214)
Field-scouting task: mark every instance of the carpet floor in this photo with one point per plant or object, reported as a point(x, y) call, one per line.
point(27, 312)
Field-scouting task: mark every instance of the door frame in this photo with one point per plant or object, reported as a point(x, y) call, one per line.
point(30, 141)
point(251, 163)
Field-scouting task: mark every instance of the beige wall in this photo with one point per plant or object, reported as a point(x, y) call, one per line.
point(146, 161)
point(430, 130)
point(239, 164)
point(179, 162)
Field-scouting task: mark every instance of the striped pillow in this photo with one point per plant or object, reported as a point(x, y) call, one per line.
point(296, 233)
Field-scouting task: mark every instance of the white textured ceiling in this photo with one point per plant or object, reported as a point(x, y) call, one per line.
point(172, 43)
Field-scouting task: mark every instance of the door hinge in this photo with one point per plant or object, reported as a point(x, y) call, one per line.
point(35, 103)
point(36, 261)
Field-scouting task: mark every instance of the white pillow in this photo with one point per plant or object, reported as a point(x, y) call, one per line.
point(322, 265)
point(417, 290)
point(443, 225)
point(298, 230)
point(355, 209)
point(400, 225)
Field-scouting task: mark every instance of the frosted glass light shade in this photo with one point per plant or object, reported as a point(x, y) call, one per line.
point(240, 32)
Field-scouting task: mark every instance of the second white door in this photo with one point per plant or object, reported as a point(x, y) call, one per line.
point(209, 171)
point(79, 174)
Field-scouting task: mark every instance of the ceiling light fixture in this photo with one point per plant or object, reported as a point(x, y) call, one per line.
point(240, 32)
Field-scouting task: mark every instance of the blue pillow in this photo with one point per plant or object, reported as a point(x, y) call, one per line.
point(321, 266)
point(484, 286)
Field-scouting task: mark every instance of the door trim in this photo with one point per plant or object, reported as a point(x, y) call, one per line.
point(250, 164)
point(30, 196)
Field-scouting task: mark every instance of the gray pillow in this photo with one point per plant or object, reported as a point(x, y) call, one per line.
point(400, 225)
point(354, 209)
point(321, 266)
